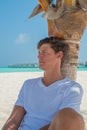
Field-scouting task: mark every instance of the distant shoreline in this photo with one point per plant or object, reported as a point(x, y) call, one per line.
point(29, 69)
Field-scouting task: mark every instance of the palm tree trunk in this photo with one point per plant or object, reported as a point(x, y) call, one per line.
point(69, 67)
point(70, 27)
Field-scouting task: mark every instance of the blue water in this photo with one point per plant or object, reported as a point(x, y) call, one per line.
point(82, 69)
point(6, 69)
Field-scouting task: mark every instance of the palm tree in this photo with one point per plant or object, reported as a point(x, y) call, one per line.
point(66, 19)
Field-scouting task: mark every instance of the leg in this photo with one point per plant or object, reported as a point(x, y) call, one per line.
point(67, 119)
point(45, 127)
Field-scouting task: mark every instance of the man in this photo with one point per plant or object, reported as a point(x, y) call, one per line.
point(51, 102)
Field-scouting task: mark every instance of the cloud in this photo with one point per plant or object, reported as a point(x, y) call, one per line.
point(22, 38)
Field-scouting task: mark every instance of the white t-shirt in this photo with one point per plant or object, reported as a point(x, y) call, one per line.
point(42, 103)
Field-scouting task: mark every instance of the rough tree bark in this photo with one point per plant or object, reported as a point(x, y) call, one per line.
point(69, 26)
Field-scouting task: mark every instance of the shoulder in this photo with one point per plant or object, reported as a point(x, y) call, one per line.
point(69, 86)
point(70, 83)
point(31, 82)
point(73, 86)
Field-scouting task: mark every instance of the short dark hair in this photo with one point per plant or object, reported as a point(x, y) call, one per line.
point(57, 44)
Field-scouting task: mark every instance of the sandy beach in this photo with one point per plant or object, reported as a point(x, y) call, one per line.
point(10, 84)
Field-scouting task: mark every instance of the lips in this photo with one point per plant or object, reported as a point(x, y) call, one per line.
point(41, 62)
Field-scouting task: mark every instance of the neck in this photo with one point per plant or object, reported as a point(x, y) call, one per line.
point(51, 77)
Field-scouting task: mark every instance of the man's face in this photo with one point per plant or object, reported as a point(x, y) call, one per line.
point(47, 57)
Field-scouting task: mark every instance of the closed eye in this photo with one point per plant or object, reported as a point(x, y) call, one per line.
point(43, 53)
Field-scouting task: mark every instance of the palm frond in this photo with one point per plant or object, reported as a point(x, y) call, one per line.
point(38, 9)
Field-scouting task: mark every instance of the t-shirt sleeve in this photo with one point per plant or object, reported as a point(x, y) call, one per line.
point(72, 98)
point(20, 99)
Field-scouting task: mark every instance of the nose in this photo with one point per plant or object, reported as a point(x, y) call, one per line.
point(40, 56)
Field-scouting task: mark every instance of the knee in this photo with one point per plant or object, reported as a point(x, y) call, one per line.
point(69, 119)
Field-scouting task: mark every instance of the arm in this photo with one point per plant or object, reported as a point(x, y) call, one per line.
point(15, 119)
point(72, 97)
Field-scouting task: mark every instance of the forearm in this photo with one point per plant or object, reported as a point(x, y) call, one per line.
point(11, 125)
point(15, 119)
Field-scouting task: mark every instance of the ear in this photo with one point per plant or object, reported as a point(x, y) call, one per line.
point(60, 54)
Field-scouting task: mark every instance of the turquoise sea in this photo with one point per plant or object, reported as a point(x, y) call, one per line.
point(7, 69)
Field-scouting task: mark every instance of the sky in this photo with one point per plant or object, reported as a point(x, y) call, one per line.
point(19, 35)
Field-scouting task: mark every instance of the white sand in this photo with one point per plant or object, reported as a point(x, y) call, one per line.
point(10, 84)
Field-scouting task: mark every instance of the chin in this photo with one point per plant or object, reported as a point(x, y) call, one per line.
point(41, 67)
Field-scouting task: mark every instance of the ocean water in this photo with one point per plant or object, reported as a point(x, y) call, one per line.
point(82, 68)
point(7, 69)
